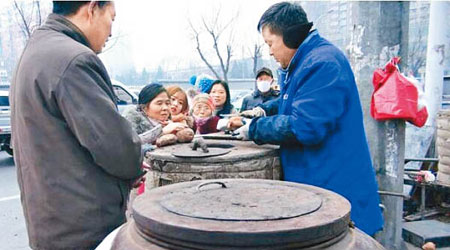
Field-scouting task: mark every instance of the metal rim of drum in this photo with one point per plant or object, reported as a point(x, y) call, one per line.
point(158, 225)
point(130, 238)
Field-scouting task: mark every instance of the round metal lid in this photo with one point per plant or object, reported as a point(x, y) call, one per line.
point(240, 201)
point(246, 213)
point(189, 153)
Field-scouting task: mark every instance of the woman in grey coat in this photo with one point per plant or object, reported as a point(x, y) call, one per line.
point(150, 118)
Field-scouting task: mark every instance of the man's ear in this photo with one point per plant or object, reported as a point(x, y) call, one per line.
point(91, 9)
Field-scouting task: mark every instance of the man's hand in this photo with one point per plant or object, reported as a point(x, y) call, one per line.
point(255, 112)
point(242, 132)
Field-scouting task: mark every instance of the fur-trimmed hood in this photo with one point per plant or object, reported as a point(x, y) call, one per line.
point(139, 121)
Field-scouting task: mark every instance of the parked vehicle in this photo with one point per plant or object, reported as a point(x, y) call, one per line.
point(237, 96)
point(126, 97)
point(5, 122)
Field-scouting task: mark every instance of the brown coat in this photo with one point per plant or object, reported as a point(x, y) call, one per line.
point(75, 155)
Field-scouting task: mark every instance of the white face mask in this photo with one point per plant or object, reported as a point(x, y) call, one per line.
point(263, 86)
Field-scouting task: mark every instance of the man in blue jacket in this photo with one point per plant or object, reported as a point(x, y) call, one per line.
point(318, 120)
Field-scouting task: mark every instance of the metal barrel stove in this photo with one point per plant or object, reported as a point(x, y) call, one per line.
point(226, 157)
point(241, 214)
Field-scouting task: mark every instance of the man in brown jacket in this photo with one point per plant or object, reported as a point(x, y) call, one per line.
point(76, 157)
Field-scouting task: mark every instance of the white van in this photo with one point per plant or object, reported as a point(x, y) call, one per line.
point(125, 96)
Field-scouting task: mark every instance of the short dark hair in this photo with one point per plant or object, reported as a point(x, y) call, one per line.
point(67, 8)
point(149, 92)
point(288, 20)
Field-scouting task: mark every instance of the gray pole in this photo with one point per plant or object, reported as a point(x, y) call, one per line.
point(434, 75)
point(380, 32)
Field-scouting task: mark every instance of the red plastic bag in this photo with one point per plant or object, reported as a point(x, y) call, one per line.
point(395, 97)
point(141, 188)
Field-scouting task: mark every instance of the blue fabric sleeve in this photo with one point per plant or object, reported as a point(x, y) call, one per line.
point(271, 107)
point(315, 109)
point(273, 130)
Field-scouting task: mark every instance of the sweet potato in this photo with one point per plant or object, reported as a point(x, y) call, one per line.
point(165, 140)
point(185, 135)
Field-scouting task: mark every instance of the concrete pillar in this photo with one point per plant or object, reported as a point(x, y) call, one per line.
point(381, 32)
point(435, 59)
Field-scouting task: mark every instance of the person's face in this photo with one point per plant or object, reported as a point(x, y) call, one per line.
point(264, 77)
point(280, 52)
point(218, 94)
point(101, 20)
point(202, 110)
point(158, 108)
point(177, 102)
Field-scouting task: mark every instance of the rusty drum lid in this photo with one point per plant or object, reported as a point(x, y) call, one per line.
point(241, 201)
point(212, 149)
point(188, 153)
point(235, 213)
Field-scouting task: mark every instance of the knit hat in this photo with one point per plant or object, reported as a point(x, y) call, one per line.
point(204, 98)
point(202, 82)
point(149, 92)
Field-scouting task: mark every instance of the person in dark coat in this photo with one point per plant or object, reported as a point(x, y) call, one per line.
point(263, 91)
point(76, 156)
point(318, 120)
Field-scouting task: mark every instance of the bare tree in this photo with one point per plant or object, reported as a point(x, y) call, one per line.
point(417, 53)
point(256, 54)
point(215, 30)
point(28, 16)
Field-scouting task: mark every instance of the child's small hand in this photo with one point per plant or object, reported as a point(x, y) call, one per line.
point(178, 118)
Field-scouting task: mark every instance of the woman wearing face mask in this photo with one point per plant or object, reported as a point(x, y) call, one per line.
point(263, 91)
point(220, 94)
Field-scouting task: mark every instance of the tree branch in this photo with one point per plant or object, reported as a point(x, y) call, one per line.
point(215, 31)
point(256, 55)
point(196, 37)
point(25, 28)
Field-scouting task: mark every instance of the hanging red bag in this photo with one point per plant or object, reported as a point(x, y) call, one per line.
point(395, 97)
